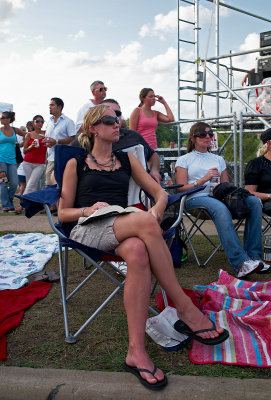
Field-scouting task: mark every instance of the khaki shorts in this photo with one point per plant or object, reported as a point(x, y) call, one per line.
point(98, 234)
point(48, 173)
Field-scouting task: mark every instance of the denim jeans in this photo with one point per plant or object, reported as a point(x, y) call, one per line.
point(229, 239)
point(8, 189)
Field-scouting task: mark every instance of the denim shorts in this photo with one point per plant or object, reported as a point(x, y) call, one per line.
point(98, 234)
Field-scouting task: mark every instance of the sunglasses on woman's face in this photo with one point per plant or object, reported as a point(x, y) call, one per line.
point(107, 120)
point(203, 134)
point(39, 121)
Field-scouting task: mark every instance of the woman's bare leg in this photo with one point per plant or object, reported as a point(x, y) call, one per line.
point(136, 300)
point(145, 227)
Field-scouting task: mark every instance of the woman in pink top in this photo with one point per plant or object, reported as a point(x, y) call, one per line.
point(145, 120)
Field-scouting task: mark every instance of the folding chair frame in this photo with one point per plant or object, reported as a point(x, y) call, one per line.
point(196, 227)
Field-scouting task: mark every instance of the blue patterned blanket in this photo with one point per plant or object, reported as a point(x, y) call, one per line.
point(23, 255)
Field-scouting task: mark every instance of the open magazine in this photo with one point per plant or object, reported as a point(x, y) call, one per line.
point(108, 212)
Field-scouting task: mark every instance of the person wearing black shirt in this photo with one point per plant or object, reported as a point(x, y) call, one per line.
point(129, 138)
point(258, 173)
point(136, 237)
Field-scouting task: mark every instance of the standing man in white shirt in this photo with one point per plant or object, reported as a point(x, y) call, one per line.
point(98, 91)
point(60, 130)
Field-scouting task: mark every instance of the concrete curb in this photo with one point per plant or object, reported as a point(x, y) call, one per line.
point(54, 384)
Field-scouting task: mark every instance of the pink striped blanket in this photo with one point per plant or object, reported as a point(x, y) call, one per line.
point(244, 309)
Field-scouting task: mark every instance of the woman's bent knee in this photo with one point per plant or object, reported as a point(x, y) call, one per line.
point(132, 250)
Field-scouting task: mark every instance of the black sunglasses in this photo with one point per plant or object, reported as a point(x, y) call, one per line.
point(101, 89)
point(107, 120)
point(39, 121)
point(118, 113)
point(203, 134)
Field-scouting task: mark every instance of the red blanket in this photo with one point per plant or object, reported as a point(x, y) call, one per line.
point(12, 306)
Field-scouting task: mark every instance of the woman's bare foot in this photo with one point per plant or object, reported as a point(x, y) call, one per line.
point(143, 361)
point(196, 321)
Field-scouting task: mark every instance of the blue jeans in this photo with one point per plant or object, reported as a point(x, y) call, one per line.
point(8, 189)
point(229, 239)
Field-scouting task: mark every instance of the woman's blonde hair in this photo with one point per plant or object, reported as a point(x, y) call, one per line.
point(86, 139)
point(265, 137)
point(262, 150)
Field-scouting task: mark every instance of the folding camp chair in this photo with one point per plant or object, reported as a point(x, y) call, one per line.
point(197, 220)
point(35, 202)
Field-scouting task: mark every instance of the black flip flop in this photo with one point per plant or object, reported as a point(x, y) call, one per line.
point(46, 276)
point(181, 327)
point(153, 386)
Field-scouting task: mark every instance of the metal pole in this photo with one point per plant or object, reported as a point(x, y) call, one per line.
point(196, 48)
point(217, 55)
point(239, 98)
point(231, 82)
point(235, 147)
point(178, 83)
point(241, 149)
point(242, 11)
point(239, 53)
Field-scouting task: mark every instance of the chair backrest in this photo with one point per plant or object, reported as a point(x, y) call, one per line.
point(134, 190)
point(63, 153)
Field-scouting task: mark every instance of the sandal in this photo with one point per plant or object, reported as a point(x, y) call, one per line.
point(18, 210)
point(46, 276)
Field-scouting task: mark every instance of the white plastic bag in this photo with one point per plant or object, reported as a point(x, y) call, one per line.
point(263, 101)
point(160, 329)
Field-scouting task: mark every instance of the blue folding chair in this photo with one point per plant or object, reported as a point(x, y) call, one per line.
point(36, 201)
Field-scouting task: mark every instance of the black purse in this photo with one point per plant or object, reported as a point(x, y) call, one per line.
point(19, 157)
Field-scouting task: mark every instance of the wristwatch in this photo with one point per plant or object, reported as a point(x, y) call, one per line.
point(195, 183)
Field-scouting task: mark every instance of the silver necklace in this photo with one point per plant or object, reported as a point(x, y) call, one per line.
point(108, 164)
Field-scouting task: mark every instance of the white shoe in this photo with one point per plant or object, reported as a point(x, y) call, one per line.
point(121, 266)
point(266, 268)
point(248, 267)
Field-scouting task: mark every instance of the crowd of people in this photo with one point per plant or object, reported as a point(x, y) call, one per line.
point(37, 144)
point(101, 131)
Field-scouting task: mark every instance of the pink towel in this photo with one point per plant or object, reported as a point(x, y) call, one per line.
point(244, 309)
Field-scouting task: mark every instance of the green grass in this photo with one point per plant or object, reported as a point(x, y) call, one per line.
point(39, 341)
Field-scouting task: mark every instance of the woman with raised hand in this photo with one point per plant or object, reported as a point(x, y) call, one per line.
point(8, 163)
point(98, 179)
point(145, 120)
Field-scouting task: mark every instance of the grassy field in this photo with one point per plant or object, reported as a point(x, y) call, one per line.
point(39, 341)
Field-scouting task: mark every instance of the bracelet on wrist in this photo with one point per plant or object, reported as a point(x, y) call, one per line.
point(83, 212)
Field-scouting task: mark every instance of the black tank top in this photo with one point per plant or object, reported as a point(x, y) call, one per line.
point(108, 186)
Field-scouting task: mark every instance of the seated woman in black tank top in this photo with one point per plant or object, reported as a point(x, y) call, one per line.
point(101, 179)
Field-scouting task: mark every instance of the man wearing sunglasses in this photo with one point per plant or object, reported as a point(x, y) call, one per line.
point(98, 91)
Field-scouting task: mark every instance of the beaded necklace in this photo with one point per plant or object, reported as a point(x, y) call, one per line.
point(108, 164)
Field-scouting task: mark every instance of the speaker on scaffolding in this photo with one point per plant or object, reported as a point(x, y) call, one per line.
point(265, 40)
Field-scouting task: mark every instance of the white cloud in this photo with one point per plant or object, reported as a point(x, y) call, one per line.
point(167, 23)
point(128, 55)
point(162, 62)
point(8, 8)
point(79, 35)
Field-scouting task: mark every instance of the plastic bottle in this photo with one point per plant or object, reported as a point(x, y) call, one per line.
point(167, 179)
point(214, 181)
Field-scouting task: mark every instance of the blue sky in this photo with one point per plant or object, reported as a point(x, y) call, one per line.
point(57, 48)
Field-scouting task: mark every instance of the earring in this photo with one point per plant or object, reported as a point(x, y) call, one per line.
point(96, 134)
